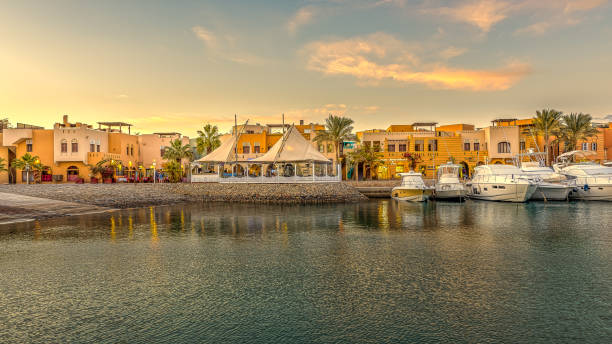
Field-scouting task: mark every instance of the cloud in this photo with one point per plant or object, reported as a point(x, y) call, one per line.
point(451, 52)
point(224, 47)
point(482, 13)
point(485, 14)
point(380, 56)
point(302, 17)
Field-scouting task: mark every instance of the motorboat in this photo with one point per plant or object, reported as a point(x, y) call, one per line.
point(449, 186)
point(505, 183)
point(593, 181)
point(552, 186)
point(412, 189)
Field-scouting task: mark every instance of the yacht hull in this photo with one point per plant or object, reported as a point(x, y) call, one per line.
point(509, 193)
point(592, 193)
point(411, 195)
point(551, 192)
point(450, 194)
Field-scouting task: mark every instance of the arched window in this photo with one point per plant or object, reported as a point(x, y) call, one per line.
point(72, 173)
point(503, 147)
point(64, 146)
point(75, 146)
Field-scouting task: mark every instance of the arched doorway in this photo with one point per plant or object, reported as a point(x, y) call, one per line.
point(72, 174)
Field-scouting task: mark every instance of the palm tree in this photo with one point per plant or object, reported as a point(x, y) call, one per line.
point(576, 127)
point(367, 155)
point(28, 163)
point(337, 130)
point(208, 139)
point(3, 167)
point(177, 151)
point(101, 168)
point(547, 122)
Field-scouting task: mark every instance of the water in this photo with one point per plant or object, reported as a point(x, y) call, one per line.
point(373, 272)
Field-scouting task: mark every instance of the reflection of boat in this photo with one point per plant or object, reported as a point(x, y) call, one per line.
point(448, 185)
point(501, 183)
point(412, 189)
point(593, 181)
point(552, 186)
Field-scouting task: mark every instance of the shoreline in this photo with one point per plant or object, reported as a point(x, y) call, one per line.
point(125, 196)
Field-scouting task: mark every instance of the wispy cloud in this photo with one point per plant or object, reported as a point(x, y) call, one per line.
point(224, 47)
point(380, 56)
point(485, 14)
point(302, 17)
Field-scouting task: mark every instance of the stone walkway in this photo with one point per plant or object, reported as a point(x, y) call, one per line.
point(19, 208)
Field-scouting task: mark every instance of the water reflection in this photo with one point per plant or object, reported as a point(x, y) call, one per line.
point(380, 271)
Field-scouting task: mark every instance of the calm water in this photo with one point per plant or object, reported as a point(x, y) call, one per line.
point(374, 272)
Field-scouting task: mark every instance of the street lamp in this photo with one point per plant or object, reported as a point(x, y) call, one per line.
point(154, 171)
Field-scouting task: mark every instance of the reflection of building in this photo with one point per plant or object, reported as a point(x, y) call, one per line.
point(69, 148)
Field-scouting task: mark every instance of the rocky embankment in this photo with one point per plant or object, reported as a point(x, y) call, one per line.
point(140, 195)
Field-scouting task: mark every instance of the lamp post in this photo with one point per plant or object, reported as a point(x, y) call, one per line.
point(27, 166)
point(154, 172)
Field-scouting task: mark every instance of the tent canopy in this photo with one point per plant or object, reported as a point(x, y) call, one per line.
point(225, 152)
point(293, 147)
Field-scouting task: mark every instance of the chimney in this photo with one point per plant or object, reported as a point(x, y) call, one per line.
point(65, 119)
point(301, 122)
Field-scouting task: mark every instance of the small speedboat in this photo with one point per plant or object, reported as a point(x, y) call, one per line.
point(448, 185)
point(412, 189)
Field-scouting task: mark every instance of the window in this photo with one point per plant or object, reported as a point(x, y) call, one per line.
point(390, 148)
point(75, 146)
point(376, 145)
point(330, 148)
point(476, 145)
point(585, 146)
point(320, 147)
point(246, 148)
point(29, 146)
point(256, 148)
point(64, 146)
point(594, 146)
point(402, 147)
point(503, 147)
point(466, 145)
point(92, 147)
point(367, 143)
point(162, 150)
point(132, 150)
point(98, 146)
point(432, 145)
point(127, 150)
point(306, 131)
point(419, 145)
point(522, 145)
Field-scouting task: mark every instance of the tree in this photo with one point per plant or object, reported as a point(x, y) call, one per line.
point(3, 167)
point(367, 155)
point(208, 139)
point(177, 151)
point(413, 159)
point(101, 168)
point(545, 123)
point(337, 130)
point(29, 162)
point(174, 171)
point(576, 127)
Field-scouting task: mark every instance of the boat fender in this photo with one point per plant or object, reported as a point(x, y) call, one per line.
point(586, 187)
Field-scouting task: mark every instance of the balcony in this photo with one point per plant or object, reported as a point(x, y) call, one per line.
point(94, 157)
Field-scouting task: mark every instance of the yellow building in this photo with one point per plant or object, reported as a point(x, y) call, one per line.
point(426, 147)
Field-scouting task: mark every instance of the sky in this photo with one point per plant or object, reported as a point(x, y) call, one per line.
point(177, 65)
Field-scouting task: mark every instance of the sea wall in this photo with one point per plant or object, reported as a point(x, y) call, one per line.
point(140, 195)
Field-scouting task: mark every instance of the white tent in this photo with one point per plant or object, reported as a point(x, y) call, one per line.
point(225, 152)
point(293, 147)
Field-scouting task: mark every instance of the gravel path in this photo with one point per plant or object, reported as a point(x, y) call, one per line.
point(140, 195)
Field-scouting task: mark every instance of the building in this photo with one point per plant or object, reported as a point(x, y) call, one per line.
point(69, 149)
point(424, 145)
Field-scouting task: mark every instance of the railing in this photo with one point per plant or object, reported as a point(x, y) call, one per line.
point(262, 179)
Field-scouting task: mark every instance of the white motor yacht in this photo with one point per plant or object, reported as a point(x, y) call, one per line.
point(552, 186)
point(412, 189)
point(505, 183)
point(593, 181)
point(448, 185)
